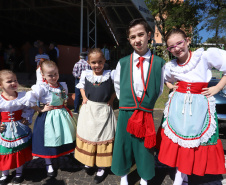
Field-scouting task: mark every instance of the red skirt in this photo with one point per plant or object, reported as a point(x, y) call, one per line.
point(15, 160)
point(199, 161)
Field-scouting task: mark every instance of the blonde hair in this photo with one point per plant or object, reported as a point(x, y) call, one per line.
point(4, 72)
point(96, 50)
point(48, 63)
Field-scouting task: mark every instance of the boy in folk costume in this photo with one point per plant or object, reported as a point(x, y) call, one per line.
point(138, 83)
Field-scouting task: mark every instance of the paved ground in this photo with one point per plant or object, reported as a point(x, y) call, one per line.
point(70, 171)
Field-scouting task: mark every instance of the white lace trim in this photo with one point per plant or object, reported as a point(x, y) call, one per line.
point(195, 58)
point(49, 88)
point(105, 76)
point(15, 143)
point(11, 103)
point(191, 143)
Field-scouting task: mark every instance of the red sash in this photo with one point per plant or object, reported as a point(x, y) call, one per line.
point(63, 106)
point(15, 116)
point(193, 87)
point(141, 125)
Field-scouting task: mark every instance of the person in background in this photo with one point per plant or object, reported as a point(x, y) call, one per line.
point(41, 55)
point(52, 53)
point(80, 66)
point(33, 51)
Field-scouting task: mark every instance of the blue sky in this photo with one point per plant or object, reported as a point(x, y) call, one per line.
point(205, 35)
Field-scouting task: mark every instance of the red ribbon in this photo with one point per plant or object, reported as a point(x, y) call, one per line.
point(140, 64)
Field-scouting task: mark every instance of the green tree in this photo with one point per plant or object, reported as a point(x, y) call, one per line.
point(220, 40)
point(215, 19)
point(176, 14)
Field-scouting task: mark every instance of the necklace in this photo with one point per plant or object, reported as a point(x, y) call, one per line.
point(185, 62)
point(96, 84)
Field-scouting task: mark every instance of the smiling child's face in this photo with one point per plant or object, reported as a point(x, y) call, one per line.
point(138, 38)
point(96, 62)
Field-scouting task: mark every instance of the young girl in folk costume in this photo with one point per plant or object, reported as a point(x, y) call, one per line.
point(189, 133)
point(96, 121)
point(15, 137)
point(54, 131)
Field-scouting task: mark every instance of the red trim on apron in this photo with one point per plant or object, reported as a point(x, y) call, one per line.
point(53, 156)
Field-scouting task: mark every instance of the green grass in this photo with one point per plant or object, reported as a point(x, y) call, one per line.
point(160, 104)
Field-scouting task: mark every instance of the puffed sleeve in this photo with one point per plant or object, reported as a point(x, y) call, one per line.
point(81, 84)
point(167, 73)
point(31, 97)
point(216, 58)
point(117, 80)
point(28, 114)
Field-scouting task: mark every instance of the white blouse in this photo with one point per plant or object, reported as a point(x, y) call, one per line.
point(88, 74)
point(41, 92)
point(198, 69)
point(137, 80)
point(14, 105)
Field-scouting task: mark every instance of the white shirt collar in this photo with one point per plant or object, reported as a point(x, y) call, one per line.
point(146, 55)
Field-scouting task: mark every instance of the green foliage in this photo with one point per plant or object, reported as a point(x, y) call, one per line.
point(160, 51)
point(215, 19)
point(176, 14)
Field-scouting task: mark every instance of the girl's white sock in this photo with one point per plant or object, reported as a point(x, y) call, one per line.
point(185, 181)
point(4, 175)
point(100, 171)
point(87, 166)
point(143, 182)
point(179, 177)
point(49, 166)
point(124, 180)
point(19, 171)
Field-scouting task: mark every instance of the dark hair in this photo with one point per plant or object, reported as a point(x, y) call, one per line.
point(95, 50)
point(175, 31)
point(135, 22)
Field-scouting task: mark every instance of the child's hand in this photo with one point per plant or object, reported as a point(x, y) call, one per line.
point(175, 86)
point(171, 86)
point(84, 101)
point(208, 92)
point(47, 107)
point(110, 103)
point(24, 121)
point(2, 128)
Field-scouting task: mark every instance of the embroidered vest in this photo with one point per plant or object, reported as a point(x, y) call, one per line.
point(128, 99)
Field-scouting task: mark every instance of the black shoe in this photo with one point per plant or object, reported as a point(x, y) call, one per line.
point(18, 180)
point(90, 171)
point(99, 179)
point(5, 181)
point(52, 174)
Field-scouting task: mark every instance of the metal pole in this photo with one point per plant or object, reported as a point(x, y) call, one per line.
point(95, 24)
point(87, 26)
point(81, 27)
